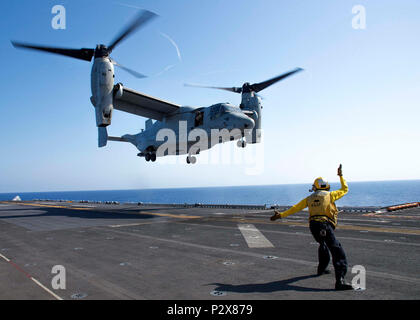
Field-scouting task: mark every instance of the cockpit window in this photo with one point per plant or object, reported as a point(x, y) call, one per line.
point(218, 109)
point(227, 108)
point(199, 118)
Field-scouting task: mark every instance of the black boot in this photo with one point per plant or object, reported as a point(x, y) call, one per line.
point(321, 271)
point(342, 285)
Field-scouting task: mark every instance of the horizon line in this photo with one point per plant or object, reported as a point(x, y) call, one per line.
point(200, 187)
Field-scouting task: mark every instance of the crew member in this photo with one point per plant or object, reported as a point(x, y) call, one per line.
point(322, 222)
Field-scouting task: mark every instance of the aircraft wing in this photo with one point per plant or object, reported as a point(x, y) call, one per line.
point(131, 101)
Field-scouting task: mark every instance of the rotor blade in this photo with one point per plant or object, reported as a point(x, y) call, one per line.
point(231, 89)
point(130, 71)
point(142, 18)
point(257, 87)
point(83, 54)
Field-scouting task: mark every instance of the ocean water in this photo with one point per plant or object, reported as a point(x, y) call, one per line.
point(378, 193)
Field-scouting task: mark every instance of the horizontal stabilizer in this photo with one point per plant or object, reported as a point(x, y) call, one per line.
point(121, 139)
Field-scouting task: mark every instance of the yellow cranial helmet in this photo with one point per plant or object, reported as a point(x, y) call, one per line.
point(320, 184)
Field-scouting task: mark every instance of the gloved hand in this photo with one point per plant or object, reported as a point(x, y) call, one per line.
point(276, 215)
point(339, 171)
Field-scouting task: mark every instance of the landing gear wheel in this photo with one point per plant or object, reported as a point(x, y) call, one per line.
point(191, 159)
point(153, 157)
point(241, 143)
point(147, 157)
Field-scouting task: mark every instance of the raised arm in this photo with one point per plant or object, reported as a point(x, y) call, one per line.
point(337, 194)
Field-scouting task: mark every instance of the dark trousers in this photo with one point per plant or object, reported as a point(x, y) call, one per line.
point(323, 233)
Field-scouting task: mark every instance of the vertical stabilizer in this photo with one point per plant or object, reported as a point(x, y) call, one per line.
point(102, 137)
point(149, 124)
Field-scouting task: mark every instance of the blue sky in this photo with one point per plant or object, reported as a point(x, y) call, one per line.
point(356, 103)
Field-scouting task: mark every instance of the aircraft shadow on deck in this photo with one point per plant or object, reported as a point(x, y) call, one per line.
point(73, 213)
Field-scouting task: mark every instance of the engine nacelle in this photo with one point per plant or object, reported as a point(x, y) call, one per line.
point(104, 115)
point(102, 85)
point(251, 102)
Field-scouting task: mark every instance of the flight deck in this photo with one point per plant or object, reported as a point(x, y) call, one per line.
point(160, 252)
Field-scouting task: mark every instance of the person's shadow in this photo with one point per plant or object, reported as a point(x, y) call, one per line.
point(281, 285)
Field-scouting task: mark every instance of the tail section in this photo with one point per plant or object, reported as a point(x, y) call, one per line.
point(103, 137)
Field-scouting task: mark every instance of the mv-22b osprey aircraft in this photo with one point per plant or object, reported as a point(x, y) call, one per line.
point(106, 96)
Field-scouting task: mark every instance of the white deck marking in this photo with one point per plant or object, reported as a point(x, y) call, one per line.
point(30, 277)
point(311, 264)
point(3, 257)
point(46, 289)
point(253, 237)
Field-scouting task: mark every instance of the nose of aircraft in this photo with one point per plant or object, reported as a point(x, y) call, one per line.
point(247, 122)
point(238, 120)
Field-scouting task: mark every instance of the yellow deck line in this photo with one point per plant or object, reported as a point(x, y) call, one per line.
point(242, 220)
point(54, 206)
point(340, 227)
point(179, 216)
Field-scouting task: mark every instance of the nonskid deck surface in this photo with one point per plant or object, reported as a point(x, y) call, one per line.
point(127, 251)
